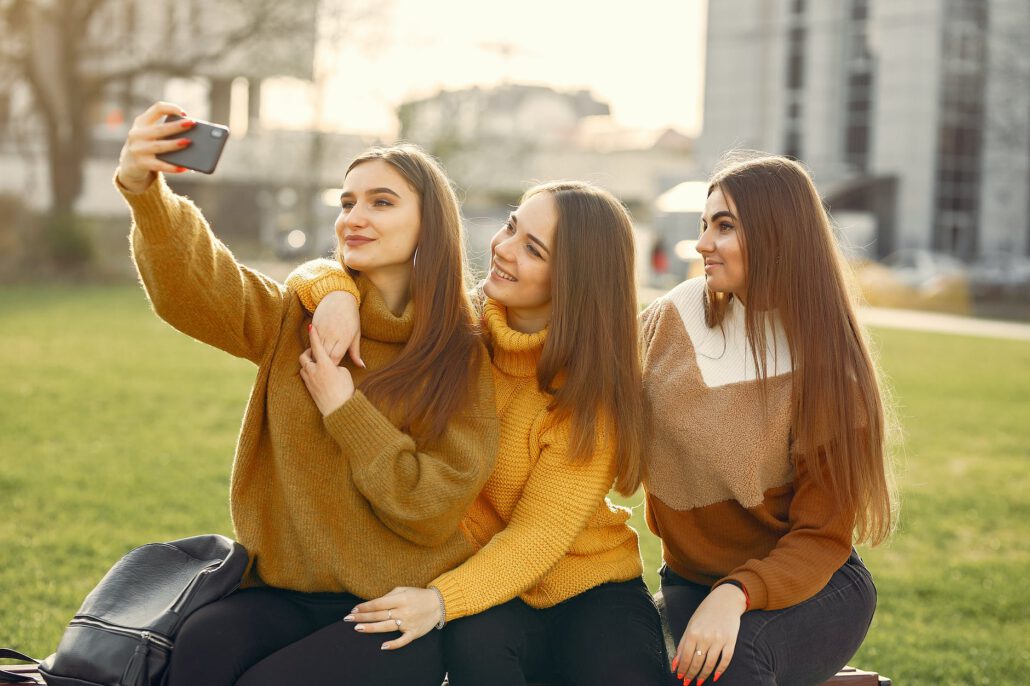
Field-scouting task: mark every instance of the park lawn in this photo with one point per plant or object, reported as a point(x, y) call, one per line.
point(115, 431)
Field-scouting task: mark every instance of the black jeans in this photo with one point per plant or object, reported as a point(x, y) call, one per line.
point(801, 645)
point(266, 636)
point(609, 634)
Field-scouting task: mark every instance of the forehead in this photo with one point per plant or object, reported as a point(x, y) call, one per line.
point(719, 202)
point(538, 215)
point(375, 174)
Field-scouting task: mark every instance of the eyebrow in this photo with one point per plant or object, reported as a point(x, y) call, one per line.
point(719, 215)
point(515, 220)
point(373, 191)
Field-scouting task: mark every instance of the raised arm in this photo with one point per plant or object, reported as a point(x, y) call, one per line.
point(191, 278)
point(322, 286)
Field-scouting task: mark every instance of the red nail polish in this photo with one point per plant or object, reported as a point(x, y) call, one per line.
point(675, 662)
point(183, 142)
point(188, 124)
point(309, 327)
point(717, 675)
point(700, 682)
point(180, 169)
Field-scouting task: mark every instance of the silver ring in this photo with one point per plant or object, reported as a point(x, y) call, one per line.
point(699, 652)
point(398, 622)
point(389, 614)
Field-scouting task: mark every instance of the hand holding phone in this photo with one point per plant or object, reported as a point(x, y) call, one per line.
point(206, 143)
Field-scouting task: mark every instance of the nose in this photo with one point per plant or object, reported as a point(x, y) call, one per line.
point(502, 248)
point(354, 217)
point(705, 244)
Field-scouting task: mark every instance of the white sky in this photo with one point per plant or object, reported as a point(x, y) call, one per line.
point(644, 57)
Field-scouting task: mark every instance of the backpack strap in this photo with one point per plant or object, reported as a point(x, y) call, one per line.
point(14, 677)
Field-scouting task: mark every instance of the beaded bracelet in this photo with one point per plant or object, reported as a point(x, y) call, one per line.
point(443, 608)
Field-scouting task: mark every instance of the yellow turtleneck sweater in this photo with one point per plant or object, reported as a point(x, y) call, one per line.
point(543, 528)
point(345, 503)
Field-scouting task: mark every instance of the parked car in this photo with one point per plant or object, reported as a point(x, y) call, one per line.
point(916, 279)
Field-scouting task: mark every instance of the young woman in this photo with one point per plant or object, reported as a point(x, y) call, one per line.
point(767, 445)
point(348, 481)
point(555, 588)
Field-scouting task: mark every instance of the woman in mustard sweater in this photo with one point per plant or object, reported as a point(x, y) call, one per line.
point(766, 458)
point(554, 588)
point(348, 480)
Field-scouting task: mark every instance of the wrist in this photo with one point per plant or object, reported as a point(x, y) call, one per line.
point(134, 184)
point(443, 608)
point(736, 590)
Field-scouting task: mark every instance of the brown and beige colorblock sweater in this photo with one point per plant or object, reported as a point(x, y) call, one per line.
point(722, 490)
point(345, 503)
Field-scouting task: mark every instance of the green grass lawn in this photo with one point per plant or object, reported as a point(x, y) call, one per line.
point(115, 431)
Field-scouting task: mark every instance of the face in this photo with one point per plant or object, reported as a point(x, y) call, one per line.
point(520, 266)
point(721, 245)
point(378, 226)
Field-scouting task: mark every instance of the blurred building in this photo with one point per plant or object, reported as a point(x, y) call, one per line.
point(269, 186)
point(497, 142)
point(915, 113)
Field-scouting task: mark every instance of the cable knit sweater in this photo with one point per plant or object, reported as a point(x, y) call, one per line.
point(345, 503)
point(543, 527)
point(722, 490)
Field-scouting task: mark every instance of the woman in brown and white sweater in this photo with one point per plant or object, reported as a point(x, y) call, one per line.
point(348, 480)
point(767, 458)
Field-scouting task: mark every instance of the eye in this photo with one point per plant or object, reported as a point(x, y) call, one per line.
point(726, 226)
point(509, 227)
point(382, 202)
point(532, 250)
point(346, 204)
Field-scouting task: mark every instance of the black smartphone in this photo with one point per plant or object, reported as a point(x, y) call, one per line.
point(203, 153)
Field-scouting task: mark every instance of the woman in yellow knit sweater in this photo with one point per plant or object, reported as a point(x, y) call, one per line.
point(348, 480)
point(555, 586)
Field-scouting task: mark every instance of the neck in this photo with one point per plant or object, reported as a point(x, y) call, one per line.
point(394, 284)
point(529, 320)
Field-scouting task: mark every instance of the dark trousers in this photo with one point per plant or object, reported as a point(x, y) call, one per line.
point(266, 636)
point(610, 634)
point(801, 645)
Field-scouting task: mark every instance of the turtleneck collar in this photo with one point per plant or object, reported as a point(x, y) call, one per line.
point(377, 321)
point(514, 352)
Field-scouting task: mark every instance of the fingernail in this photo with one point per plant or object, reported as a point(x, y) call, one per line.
point(717, 675)
point(700, 682)
point(309, 327)
point(182, 113)
point(384, 647)
point(349, 618)
point(675, 663)
point(188, 124)
point(181, 169)
point(362, 363)
point(183, 142)
point(359, 627)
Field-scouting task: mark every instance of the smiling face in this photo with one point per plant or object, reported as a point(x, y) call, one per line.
point(379, 221)
point(520, 265)
point(722, 246)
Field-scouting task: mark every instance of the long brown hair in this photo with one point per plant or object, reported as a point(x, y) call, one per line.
point(592, 341)
point(795, 267)
point(435, 371)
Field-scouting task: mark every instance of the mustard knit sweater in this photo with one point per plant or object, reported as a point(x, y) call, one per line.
point(543, 528)
point(345, 503)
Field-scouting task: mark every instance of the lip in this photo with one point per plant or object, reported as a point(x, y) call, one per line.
point(498, 274)
point(355, 240)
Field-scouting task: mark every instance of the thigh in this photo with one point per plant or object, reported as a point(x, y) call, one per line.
point(807, 643)
point(503, 646)
point(608, 634)
point(681, 599)
point(220, 641)
point(339, 655)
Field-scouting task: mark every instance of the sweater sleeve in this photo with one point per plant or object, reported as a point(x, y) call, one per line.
point(194, 283)
point(420, 491)
point(314, 280)
point(804, 559)
point(555, 506)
